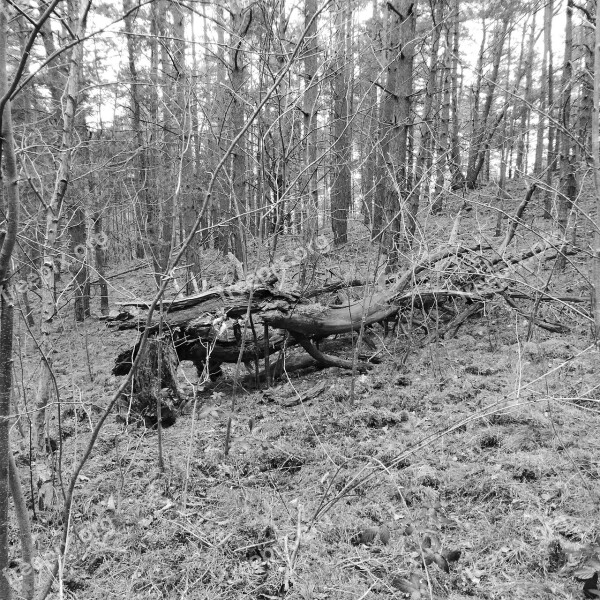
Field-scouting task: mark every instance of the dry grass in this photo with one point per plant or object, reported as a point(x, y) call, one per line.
point(515, 487)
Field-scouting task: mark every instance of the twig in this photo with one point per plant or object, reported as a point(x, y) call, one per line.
point(291, 558)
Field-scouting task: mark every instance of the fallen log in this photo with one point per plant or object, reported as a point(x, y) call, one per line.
point(215, 326)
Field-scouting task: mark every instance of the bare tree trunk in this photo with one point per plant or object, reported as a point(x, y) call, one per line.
point(584, 114)
point(6, 335)
point(341, 190)
point(165, 187)
point(595, 270)
point(476, 93)
point(240, 23)
point(196, 142)
point(368, 145)
point(541, 115)
point(443, 137)
point(155, 161)
point(501, 194)
point(511, 126)
point(386, 167)
point(422, 174)
point(100, 257)
point(53, 210)
point(568, 183)
point(455, 153)
point(141, 191)
point(185, 190)
point(550, 154)
point(310, 109)
point(397, 214)
point(9, 206)
point(524, 110)
point(220, 204)
point(78, 230)
point(79, 266)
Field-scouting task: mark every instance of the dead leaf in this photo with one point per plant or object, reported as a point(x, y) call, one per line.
point(405, 586)
point(587, 571)
point(364, 537)
point(441, 562)
point(384, 534)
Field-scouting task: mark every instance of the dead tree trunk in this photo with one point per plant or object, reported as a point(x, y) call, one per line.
point(230, 324)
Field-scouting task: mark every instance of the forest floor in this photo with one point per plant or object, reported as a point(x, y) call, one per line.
point(495, 492)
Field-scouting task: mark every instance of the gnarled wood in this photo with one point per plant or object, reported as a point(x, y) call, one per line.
point(210, 328)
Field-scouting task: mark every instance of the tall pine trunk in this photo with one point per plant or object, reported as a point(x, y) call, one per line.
point(310, 189)
point(422, 174)
point(524, 111)
point(9, 207)
point(443, 136)
point(458, 178)
point(568, 183)
point(595, 269)
point(341, 191)
point(550, 153)
point(240, 24)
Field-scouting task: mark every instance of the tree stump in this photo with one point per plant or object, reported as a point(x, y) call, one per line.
point(147, 387)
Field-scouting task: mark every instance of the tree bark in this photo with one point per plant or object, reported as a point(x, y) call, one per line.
point(458, 178)
point(220, 210)
point(398, 215)
point(240, 24)
point(10, 209)
point(443, 136)
point(595, 270)
point(49, 268)
point(387, 135)
point(311, 110)
point(541, 113)
point(341, 191)
point(421, 187)
point(550, 154)
point(393, 131)
point(524, 112)
point(584, 114)
point(155, 160)
point(476, 93)
point(140, 178)
point(568, 183)
point(501, 194)
point(368, 145)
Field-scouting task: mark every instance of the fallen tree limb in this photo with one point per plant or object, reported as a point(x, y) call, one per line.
point(547, 325)
point(330, 361)
point(306, 396)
